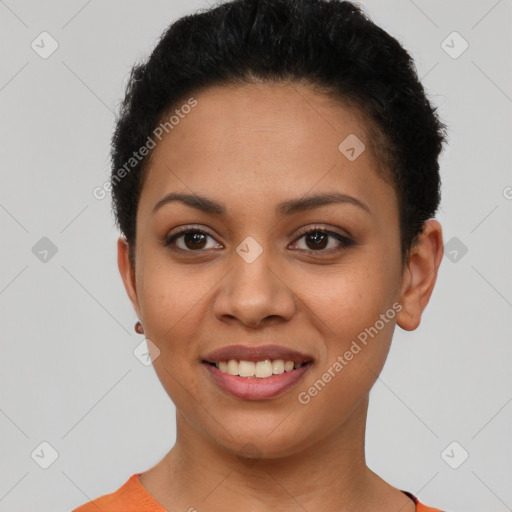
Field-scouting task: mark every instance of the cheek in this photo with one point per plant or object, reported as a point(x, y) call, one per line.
point(349, 298)
point(173, 302)
point(170, 292)
point(353, 310)
point(173, 308)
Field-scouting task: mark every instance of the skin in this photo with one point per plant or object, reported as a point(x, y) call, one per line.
point(251, 148)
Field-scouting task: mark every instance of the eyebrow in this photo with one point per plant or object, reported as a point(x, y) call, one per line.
point(288, 207)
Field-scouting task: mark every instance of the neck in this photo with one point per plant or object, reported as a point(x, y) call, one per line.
point(326, 476)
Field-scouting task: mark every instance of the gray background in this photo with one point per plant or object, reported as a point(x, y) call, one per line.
point(68, 375)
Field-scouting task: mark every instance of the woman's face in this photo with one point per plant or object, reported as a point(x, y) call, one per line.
point(248, 277)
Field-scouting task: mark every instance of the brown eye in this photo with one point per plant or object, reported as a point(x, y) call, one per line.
point(191, 240)
point(318, 240)
point(194, 240)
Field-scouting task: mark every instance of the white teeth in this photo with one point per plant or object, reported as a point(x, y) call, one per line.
point(263, 369)
point(246, 368)
point(277, 366)
point(232, 367)
point(259, 369)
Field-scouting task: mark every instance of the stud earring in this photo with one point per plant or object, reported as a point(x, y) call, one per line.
point(138, 328)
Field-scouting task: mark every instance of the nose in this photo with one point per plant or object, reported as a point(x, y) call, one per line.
point(255, 292)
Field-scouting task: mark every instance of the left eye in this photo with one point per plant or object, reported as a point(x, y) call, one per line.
point(319, 240)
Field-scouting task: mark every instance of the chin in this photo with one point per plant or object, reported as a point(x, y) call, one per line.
point(264, 440)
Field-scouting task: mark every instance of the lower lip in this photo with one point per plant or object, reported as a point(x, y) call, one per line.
point(253, 388)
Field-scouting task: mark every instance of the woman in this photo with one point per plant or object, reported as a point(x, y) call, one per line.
point(275, 178)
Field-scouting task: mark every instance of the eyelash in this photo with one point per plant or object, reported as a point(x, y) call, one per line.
point(345, 242)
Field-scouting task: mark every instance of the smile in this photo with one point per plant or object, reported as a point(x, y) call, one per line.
point(256, 373)
point(257, 369)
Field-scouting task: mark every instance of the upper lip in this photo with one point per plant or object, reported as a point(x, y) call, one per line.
point(256, 353)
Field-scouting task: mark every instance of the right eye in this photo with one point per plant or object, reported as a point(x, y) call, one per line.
point(189, 240)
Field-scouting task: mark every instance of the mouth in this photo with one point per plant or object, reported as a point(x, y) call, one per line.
point(257, 369)
point(256, 373)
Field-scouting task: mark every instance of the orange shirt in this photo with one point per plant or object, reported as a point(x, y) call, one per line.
point(133, 497)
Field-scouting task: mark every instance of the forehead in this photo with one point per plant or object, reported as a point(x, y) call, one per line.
point(281, 116)
point(264, 141)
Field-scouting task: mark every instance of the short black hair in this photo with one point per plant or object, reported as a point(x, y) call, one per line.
point(330, 45)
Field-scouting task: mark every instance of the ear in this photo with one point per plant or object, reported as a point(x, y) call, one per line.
point(127, 272)
point(420, 275)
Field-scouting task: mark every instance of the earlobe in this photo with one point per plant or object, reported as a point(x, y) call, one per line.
point(127, 272)
point(420, 275)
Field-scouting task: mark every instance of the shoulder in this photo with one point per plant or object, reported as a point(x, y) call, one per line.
point(423, 508)
point(130, 497)
point(419, 506)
